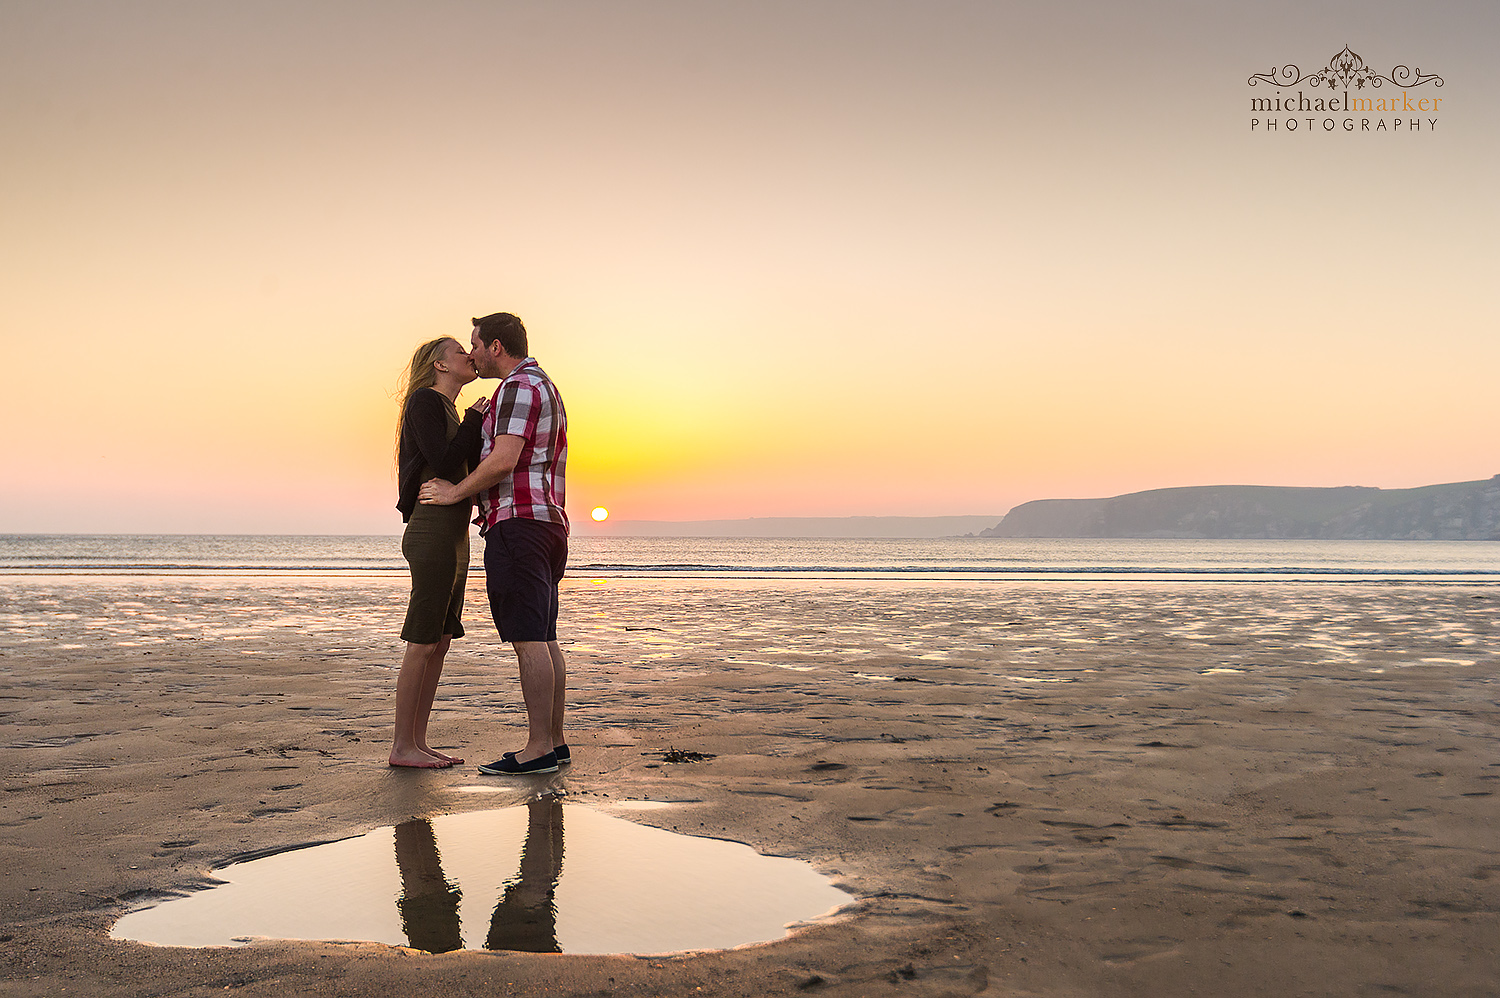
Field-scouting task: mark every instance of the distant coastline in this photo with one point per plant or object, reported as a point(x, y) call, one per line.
point(1456, 511)
point(1459, 511)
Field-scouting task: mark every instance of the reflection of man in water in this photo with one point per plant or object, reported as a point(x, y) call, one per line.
point(526, 917)
point(428, 902)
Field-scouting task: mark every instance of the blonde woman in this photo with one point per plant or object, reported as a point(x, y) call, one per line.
point(432, 442)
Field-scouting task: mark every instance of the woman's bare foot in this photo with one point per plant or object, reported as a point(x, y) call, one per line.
point(418, 760)
point(451, 760)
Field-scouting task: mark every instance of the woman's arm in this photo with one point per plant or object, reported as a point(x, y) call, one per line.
point(426, 428)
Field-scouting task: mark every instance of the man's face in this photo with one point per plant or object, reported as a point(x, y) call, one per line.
point(483, 356)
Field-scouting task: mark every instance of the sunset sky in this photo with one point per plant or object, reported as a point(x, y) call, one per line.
point(782, 259)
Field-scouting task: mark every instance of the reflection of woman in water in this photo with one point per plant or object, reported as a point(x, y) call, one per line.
point(432, 443)
point(429, 902)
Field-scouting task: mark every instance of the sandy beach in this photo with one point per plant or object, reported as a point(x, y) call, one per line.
point(1036, 789)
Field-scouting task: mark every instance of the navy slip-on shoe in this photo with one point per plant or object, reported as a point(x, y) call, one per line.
point(563, 755)
point(508, 766)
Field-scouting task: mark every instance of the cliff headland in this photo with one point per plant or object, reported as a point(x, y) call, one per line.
point(1461, 511)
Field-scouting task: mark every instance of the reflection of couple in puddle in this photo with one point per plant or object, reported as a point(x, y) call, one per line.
point(525, 917)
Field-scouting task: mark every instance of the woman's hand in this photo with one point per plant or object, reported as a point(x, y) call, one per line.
point(480, 406)
point(436, 492)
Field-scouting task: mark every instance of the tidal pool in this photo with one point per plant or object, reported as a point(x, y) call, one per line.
point(548, 877)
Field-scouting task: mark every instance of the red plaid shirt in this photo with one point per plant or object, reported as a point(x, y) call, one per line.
point(527, 405)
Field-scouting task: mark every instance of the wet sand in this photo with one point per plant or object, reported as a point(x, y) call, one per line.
point(1050, 789)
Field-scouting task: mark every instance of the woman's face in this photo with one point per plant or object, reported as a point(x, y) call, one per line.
point(456, 359)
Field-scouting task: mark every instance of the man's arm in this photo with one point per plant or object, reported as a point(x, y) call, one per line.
point(500, 462)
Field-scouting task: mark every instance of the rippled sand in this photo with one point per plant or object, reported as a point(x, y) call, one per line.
point(1039, 788)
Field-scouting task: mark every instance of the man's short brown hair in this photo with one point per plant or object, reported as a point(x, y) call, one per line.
point(506, 328)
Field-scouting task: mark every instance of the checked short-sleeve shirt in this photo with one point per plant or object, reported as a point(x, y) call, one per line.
point(527, 405)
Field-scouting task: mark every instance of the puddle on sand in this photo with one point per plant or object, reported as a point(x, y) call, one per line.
point(506, 879)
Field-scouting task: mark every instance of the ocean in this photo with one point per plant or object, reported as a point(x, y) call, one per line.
point(958, 558)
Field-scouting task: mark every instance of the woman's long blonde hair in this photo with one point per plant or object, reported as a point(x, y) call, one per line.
point(420, 373)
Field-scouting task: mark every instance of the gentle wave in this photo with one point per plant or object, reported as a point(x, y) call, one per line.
point(639, 568)
point(867, 558)
point(162, 566)
point(1032, 570)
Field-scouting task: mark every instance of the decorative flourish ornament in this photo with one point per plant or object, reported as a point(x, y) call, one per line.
point(1344, 68)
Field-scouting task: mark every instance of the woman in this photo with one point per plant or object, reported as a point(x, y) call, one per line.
point(432, 443)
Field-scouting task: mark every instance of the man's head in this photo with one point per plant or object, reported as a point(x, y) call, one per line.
point(499, 343)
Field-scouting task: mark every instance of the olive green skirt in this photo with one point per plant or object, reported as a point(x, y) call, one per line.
point(436, 546)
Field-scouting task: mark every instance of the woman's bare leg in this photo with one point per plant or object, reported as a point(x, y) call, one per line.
point(410, 683)
point(430, 677)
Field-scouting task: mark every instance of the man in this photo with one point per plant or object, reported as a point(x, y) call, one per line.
point(519, 483)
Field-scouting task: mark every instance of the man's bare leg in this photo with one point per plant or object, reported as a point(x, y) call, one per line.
point(541, 678)
point(559, 692)
point(410, 682)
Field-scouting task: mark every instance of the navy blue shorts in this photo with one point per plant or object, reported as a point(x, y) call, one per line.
point(524, 561)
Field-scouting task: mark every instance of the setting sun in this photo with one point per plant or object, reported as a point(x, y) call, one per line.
point(600, 513)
